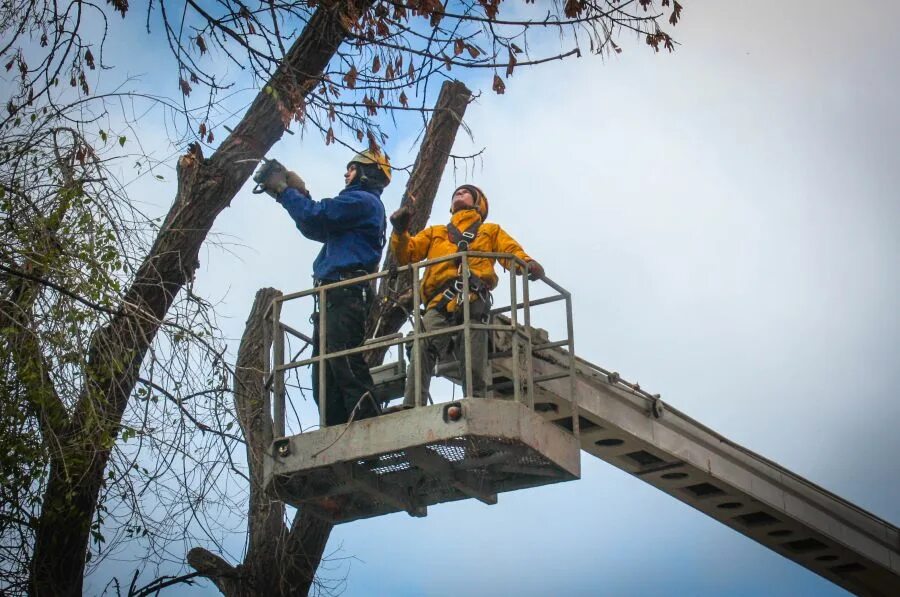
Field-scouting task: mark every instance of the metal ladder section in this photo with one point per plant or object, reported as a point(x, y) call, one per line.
point(636, 432)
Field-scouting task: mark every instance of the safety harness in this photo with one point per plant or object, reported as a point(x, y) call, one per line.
point(452, 290)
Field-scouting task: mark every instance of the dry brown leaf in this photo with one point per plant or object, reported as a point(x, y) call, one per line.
point(574, 8)
point(676, 13)
point(499, 86)
point(350, 77)
point(511, 65)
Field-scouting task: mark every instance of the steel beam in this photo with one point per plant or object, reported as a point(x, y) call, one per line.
point(464, 481)
point(662, 446)
point(356, 476)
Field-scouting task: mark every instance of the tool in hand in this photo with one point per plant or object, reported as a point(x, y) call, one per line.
point(267, 169)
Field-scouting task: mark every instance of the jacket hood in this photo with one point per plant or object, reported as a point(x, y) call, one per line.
point(358, 186)
point(464, 218)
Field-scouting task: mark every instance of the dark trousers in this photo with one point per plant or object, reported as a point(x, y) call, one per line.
point(449, 347)
point(445, 348)
point(347, 378)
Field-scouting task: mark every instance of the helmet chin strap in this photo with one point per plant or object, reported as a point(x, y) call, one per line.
point(361, 177)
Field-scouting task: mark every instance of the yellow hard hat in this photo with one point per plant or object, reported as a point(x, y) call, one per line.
point(481, 200)
point(375, 158)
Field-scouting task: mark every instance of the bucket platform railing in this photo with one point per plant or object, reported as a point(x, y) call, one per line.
point(522, 351)
point(430, 453)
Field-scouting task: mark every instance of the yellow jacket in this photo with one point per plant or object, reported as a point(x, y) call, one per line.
point(434, 242)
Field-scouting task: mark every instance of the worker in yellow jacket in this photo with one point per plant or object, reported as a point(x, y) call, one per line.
point(467, 230)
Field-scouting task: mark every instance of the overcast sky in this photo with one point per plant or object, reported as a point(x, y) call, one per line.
point(726, 218)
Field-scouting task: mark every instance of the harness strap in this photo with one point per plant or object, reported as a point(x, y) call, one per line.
point(462, 239)
point(451, 291)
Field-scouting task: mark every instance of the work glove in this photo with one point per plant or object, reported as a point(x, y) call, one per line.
point(279, 180)
point(535, 270)
point(276, 183)
point(295, 182)
point(400, 219)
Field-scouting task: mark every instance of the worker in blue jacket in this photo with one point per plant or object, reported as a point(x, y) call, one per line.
point(351, 228)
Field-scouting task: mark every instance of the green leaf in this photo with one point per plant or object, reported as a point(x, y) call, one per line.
point(103, 135)
point(122, 141)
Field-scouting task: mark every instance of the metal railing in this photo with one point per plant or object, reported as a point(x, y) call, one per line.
point(522, 342)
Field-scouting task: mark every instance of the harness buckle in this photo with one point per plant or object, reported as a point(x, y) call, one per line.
point(449, 294)
point(468, 235)
point(462, 245)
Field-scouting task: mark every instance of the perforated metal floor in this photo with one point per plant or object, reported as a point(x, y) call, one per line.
point(523, 451)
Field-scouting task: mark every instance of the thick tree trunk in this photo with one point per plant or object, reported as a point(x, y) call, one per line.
point(389, 312)
point(279, 561)
point(265, 517)
point(205, 188)
point(259, 575)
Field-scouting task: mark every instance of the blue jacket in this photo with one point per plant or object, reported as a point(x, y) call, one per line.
point(351, 226)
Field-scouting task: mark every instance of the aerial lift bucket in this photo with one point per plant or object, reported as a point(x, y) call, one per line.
point(412, 459)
